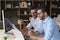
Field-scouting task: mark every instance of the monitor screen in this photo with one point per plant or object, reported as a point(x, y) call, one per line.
point(7, 25)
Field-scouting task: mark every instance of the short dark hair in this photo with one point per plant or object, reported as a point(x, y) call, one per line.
point(33, 7)
point(44, 9)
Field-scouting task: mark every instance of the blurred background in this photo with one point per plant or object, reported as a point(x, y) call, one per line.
point(18, 11)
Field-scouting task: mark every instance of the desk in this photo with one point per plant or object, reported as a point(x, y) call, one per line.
point(32, 36)
point(1, 34)
point(37, 37)
point(10, 37)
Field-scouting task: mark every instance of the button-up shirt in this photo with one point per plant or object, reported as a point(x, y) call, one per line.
point(35, 23)
point(50, 29)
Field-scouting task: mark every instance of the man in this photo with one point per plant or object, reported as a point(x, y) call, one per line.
point(34, 20)
point(49, 28)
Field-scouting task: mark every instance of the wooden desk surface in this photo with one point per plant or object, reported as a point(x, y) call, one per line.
point(37, 37)
point(32, 36)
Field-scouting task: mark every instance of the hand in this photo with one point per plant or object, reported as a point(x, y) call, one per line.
point(30, 31)
point(35, 33)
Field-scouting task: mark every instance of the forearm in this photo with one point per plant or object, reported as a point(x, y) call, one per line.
point(29, 26)
point(34, 33)
point(36, 36)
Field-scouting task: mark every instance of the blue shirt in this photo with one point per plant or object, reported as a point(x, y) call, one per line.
point(35, 23)
point(49, 29)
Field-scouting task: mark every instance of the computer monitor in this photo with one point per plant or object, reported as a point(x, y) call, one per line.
point(7, 25)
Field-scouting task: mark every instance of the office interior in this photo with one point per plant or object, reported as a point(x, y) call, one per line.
point(18, 12)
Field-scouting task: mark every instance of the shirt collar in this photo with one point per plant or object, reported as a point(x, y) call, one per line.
point(35, 18)
point(46, 19)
